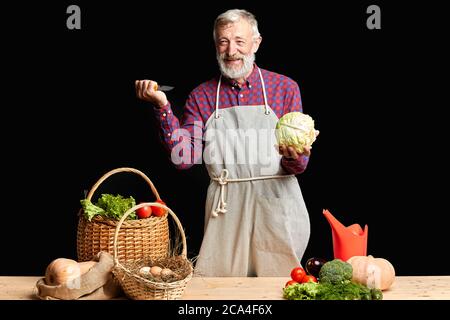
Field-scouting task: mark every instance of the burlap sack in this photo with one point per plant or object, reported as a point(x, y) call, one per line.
point(97, 284)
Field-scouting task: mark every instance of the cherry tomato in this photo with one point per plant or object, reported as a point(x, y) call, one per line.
point(157, 211)
point(309, 278)
point(297, 274)
point(144, 212)
point(290, 283)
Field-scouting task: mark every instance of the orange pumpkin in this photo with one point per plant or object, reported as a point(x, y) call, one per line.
point(65, 271)
point(373, 272)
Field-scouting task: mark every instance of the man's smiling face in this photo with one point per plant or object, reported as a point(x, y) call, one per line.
point(236, 47)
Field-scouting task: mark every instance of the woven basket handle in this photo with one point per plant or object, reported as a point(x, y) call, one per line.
point(154, 204)
point(110, 173)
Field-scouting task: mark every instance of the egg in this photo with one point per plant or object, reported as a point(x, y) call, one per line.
point(156, 271)
point(166, 272)
point(144, 271)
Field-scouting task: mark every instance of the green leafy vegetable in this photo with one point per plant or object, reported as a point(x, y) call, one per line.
point(344, 291)
point(90, 210)
point(109, 206)
point(377, 294)
point(326, 291)
point(301, 291)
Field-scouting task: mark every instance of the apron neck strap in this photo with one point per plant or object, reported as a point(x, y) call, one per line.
point(216, 114)
point(266, 105)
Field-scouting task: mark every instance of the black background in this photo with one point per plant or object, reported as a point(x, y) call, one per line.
point(69, 115)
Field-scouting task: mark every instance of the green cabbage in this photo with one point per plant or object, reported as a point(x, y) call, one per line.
point(296, 129)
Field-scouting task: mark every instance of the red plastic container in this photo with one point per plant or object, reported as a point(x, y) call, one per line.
point(347, 241)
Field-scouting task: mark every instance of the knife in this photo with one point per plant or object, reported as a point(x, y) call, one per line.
point(162, 88)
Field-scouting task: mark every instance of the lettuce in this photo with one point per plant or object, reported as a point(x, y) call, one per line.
point(301, 291)
point(109, 206)
point(90, 210)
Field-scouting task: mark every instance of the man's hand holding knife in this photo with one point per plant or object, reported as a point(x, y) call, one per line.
point(150, 91)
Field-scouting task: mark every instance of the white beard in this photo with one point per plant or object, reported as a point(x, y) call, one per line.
point(233, 73)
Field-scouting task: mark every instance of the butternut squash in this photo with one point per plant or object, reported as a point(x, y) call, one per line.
point(64, 271)
point(373, 272)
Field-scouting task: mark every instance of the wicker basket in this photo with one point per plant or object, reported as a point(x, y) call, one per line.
point(139, 288)
point(137, 238)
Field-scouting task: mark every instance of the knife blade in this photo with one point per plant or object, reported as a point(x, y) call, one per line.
point(162, 88)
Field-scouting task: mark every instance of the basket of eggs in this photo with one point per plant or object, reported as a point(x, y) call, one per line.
point(149, 278)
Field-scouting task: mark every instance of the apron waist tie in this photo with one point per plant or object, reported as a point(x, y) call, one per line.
point(223, 181)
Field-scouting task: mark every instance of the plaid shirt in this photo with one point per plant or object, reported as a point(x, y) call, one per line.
point(283, 96)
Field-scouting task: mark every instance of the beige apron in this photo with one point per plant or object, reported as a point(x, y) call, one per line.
point(256, 221)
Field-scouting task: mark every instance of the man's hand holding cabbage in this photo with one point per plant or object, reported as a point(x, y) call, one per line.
point(295, 135)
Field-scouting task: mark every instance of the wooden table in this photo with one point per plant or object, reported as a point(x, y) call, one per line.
point(404, 288)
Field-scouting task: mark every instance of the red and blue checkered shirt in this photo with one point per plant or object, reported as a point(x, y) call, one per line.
point(283, 96)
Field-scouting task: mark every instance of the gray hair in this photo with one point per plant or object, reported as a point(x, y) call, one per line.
point(234, 15)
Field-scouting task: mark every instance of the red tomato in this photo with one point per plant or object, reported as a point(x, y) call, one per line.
point(157, 211)
point(144, 212)
point(297, 274)
point(290, 283)
point(309, 278)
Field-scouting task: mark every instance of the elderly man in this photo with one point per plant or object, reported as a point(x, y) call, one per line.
point(256, 221)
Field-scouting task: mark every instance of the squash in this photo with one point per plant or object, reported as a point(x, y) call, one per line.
point(372, 272)
point(65, 271)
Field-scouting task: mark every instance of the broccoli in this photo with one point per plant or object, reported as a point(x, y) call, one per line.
point(336, 272)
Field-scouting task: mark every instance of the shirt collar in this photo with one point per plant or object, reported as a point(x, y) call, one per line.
point(251, 79)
